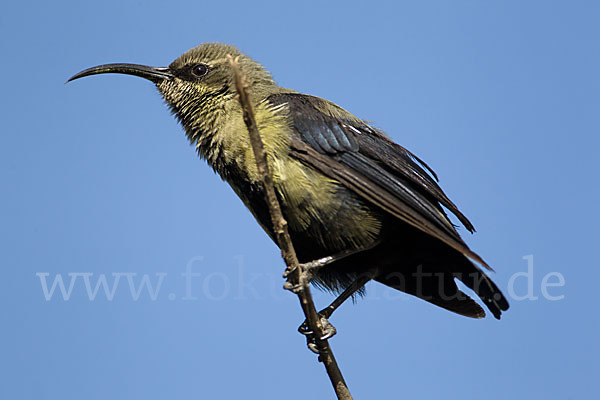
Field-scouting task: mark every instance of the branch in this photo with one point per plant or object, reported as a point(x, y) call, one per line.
point(294, 270)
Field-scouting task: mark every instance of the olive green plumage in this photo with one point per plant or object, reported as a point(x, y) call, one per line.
point(343, 185)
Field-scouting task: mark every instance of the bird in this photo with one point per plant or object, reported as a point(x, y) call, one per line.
point(349, 194)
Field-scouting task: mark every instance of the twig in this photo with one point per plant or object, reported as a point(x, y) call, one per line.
point(283, 238)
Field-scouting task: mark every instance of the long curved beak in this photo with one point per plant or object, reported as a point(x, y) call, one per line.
point(154, 74)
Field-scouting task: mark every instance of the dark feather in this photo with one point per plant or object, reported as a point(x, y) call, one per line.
point(366, 162)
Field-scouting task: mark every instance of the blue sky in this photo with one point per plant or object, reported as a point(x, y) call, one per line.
point(500, 98)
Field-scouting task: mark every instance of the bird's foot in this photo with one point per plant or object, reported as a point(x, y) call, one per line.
point(328, 331)
point(295, 287)
point(307, 272)
point(310, 268)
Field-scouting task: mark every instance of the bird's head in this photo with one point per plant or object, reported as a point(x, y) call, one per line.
point(198, 85)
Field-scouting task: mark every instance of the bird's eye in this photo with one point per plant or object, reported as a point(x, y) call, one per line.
point(199, 70)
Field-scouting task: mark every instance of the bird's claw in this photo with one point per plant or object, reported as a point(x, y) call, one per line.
point(294, 288)
point(312, 345)
point(304, 329)
point(328, 331)
point(306, 274)
point(288, 271)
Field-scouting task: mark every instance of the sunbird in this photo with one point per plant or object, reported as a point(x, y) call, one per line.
point(350, 195)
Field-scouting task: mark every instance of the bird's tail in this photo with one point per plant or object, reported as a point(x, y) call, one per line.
point(434, 281)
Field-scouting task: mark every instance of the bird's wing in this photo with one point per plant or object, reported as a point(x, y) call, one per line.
point(362, 159)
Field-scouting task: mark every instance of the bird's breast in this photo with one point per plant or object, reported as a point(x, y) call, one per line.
point(324, 217)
